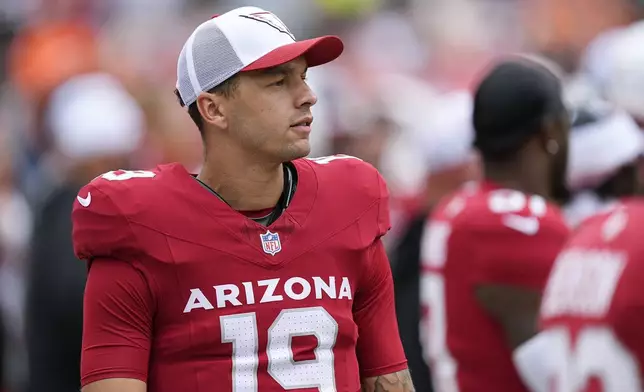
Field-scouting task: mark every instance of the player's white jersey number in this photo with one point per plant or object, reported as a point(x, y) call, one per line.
point(241, 330)
point(509, 203)
point(595, 361)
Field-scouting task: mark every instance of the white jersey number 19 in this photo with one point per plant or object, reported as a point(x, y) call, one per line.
point(241, 330)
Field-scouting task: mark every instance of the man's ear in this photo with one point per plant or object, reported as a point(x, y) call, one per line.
point(549, 133)
point(212, 109)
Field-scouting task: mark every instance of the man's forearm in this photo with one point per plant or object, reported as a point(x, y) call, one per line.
point(116, 385)
point(393, 382)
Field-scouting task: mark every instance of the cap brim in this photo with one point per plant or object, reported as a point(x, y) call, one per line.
point(316, 51)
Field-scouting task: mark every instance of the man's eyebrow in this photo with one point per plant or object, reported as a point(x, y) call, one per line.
point(283, 69)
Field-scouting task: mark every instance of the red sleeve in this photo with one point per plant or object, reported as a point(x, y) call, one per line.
point(117, 322)
point(100, 229)
point(508, 256)
point(384, 220)
point(379, 348)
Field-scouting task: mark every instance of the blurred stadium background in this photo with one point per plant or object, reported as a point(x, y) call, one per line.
point(87, 86)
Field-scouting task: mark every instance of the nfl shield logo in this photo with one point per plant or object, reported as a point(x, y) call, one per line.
point(271, 242)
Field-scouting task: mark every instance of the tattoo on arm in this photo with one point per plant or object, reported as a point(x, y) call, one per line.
point(393, 382)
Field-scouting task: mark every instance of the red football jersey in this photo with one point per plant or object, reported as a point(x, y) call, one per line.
point(592, 312)
point(187, 294)
point(481, 235)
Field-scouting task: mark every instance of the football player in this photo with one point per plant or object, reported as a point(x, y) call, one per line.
point(488, 248)
point(265, 272)
point(593, 306)
point(591, 314)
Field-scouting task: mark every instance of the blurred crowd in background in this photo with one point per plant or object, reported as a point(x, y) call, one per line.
point(86, 86)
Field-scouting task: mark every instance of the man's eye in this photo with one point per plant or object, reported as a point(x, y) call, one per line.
point(279, 82)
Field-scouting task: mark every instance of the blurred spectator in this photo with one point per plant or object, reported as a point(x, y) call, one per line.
point(605, 146)
point(2, 351)
point(96, 126)
point(15, 230)
point(47, 53)
point(614, 66)
point(452, 162)
point(42, 56)
point(567, 26)
point(369, 141)
point(625, 84)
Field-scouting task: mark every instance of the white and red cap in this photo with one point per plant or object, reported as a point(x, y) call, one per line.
point(244, 39)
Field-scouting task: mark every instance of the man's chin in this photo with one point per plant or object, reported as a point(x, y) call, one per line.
point(303, 147)
point(297, 150)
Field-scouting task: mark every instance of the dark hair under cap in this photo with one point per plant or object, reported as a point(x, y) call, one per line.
point(510, 104)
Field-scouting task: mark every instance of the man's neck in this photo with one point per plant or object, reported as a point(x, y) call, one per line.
point(244, 186)
point(516, 176)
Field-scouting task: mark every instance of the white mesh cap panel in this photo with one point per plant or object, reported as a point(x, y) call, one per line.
point(206, 60)
point(186, 91)
point(213, 57)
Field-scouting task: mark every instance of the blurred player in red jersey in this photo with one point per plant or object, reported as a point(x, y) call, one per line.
point(266, 271)
point(593, 308)
point(489, 247)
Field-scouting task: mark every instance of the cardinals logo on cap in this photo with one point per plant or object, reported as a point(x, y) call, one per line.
point(271, 20)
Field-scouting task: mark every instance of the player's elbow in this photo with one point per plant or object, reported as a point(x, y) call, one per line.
point(515, 309)
point(116, 385)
